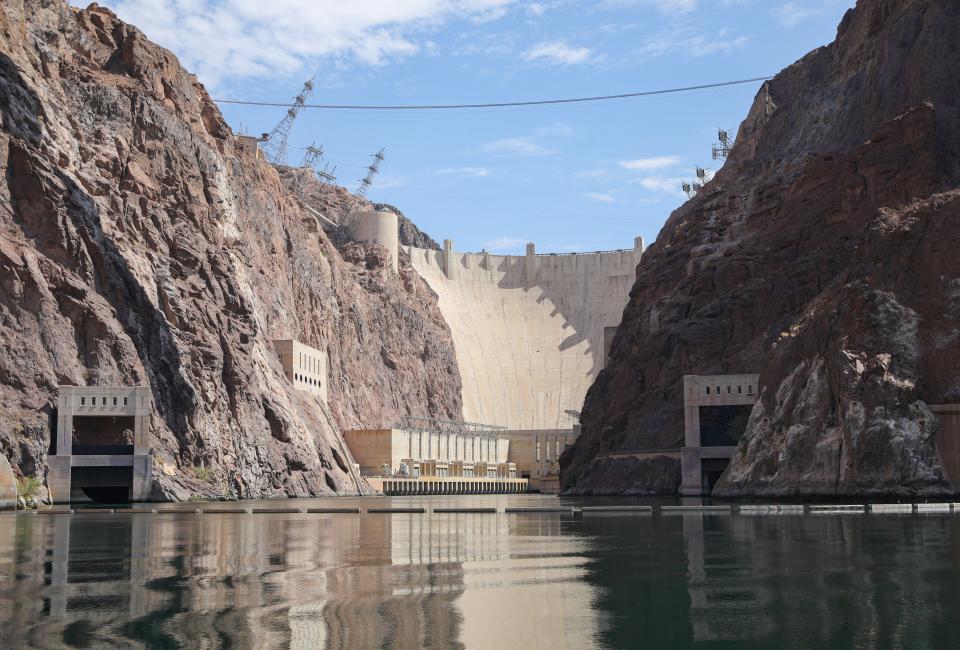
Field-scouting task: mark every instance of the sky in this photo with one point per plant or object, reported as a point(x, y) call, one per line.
point(575, 177)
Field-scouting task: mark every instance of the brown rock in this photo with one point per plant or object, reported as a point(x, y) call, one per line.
point(766, 270)
point(140, 245)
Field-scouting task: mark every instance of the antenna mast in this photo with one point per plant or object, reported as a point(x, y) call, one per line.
point(722, 150)
point(275, 147)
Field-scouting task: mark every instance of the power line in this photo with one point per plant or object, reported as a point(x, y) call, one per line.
point(539, 102)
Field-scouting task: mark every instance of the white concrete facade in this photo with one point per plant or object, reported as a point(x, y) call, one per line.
point(374, 448)
point(8, 485)
point(528, 331)
point(304, 366)
point(708, 390)
point(380, 227)
point(135, 402)
point(536, 454)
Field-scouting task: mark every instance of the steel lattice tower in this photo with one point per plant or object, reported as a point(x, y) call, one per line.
point(372, 171)
point(722, 150)
point(275, 147)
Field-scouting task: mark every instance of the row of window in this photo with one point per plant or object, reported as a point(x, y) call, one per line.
point(558, 443)
point(103, 401)
point(308, 362)
point(487, 447)
point(730, 390)
point(307, 380)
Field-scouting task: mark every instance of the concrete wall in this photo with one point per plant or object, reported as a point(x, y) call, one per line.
point(375, 447)
point(948, 441)
point(537, 455)
point(528, 330)
point(304, 366)
point(380, 227)
point(101, 401)
point(708, 390)
point(8, 485)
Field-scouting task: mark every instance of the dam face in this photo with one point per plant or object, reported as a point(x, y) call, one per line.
point(530, 332)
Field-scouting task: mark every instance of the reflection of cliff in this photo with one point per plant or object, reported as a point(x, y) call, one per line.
point(776, 581)
point(529, 331)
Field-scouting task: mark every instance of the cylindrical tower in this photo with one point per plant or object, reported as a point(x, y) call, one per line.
point(380, 227)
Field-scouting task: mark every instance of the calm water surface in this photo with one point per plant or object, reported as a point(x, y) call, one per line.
point(479, 580)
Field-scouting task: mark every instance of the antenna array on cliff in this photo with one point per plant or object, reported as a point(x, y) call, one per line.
point(722, 150)
point(275, 147)
point(372, 171)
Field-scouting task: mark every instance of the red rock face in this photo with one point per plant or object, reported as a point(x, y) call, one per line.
point(776, 268)
point(140, 244)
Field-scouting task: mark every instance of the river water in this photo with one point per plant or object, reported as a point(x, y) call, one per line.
point(551, 581)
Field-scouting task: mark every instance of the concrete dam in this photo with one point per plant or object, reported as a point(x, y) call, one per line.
point(530, 332)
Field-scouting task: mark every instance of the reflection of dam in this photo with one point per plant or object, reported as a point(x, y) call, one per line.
point(530, 332)
point(398, 581)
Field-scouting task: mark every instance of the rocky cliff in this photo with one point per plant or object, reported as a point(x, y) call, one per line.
point(820, 257)
point(140, 243)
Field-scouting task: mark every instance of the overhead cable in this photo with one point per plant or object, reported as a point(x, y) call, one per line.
point(538, 102)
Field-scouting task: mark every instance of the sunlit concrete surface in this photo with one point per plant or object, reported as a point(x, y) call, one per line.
point(91, 424)
point(8, 485)
point(304, 366)
point(530, 332)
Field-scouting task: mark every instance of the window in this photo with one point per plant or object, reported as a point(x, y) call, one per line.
point(739, 389)
point(83, 401)
point(708, 390)
point(728, 390)
point(114, 401)
point(538, 450)
point(718, 390)
point(749, 390)
point(124, 401)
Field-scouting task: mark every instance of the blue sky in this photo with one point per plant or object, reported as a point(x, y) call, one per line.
point(570, 178)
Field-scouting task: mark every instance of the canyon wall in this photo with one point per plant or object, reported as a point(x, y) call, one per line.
point(142, 244)
point(820, 257)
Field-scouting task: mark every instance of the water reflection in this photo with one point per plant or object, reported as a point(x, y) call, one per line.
point(302, 581)
point(478, 581)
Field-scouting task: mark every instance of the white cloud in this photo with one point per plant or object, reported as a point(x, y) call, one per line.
point(790, 14)
point(557, 52)
point(527, 145)
point(386, 181)
point(594, 174)
point(504, 243)
point(650, 164)
point(662, 185)
point(469, 172)
point(601, 197)
point(259, 39)
point(520, 146)
point(536, 9)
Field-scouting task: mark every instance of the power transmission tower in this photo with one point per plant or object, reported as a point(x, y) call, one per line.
point(722, 150)
point(275, 147)
point(372, 170)
point(310, 158)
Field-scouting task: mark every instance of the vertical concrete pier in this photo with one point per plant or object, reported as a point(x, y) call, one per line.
point(713, 406)
point(8, 485)
point(102, 441)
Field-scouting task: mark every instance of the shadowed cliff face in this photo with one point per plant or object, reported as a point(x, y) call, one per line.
point(789, 264)
point(140, 244)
